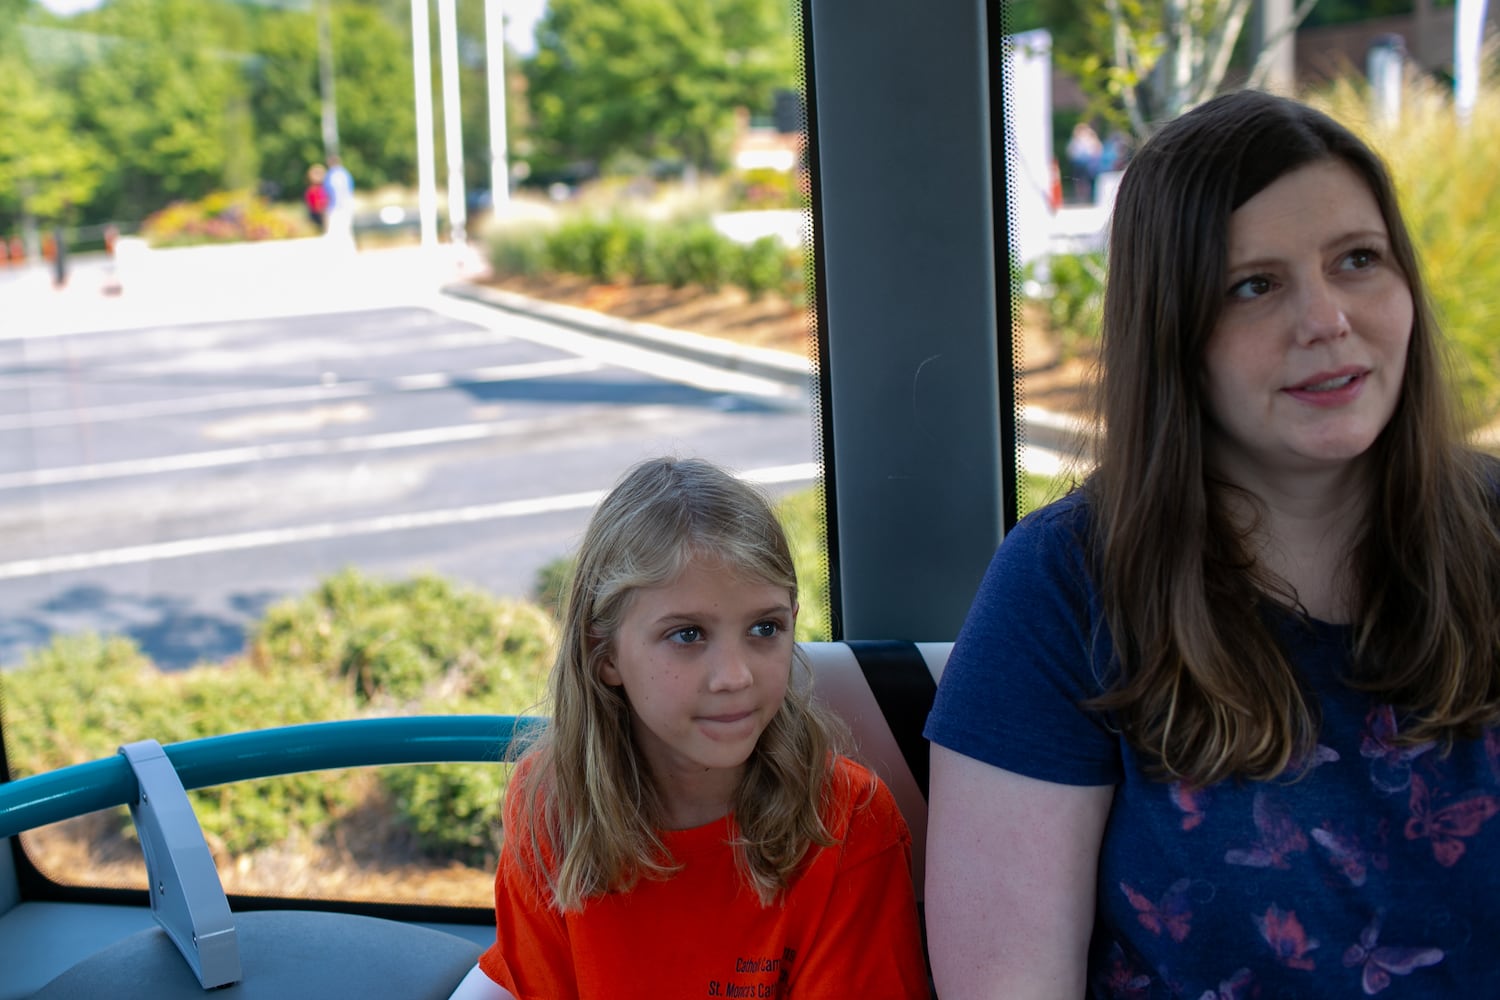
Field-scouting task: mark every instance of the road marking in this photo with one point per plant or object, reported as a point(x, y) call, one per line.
point(280, 451)
point(316, 392)
point(327, 530)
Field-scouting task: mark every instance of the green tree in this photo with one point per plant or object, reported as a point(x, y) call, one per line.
point(285, 100)
point(168, 99)
point(653, 79)
point(377, 117)
point(48, 169)
point(373, 90)
point(1145, 61)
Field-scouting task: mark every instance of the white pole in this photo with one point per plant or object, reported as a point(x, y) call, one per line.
point(452, 117)
point(1468, 34)
point(494, 36)
point(326, 80)
point(421, 71)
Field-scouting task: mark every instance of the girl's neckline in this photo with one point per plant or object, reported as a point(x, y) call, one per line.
point(699, 838)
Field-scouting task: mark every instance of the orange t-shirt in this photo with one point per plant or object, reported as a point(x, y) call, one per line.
point(847, 926)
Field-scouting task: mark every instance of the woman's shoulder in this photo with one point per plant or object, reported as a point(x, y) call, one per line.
point(1069, 514)
point(1046, 550)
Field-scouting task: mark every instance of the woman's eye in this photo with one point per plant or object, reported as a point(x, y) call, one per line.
point(1252, 287)
point(687, 635)
point(1361, 259)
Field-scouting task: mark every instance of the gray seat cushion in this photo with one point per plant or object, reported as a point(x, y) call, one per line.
point(284, 955)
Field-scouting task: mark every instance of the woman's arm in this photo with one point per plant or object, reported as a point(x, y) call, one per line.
point(1012, 864)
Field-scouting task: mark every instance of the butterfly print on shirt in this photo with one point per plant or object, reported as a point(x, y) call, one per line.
point(1289, 942)
point(1172, 914)
point(1233, 988)
point(1320, 755)
point(1379, 962)
point(1446, 826)
point(1189, 801)
point(1390, 763)
point(1123, 981)
point(1347, 855)
point(1279, 836)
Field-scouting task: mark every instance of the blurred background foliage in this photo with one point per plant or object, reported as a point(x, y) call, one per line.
point(355, 646)
point(110, 114)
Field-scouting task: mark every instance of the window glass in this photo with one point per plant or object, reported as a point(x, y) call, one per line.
point(1394, 71)
point(313, 374)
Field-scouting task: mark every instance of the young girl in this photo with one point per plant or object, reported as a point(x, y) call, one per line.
point(686, 826)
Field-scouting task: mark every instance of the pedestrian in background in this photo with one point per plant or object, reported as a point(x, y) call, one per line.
point(1084, 151)
point(316, 196)
point(338, 183)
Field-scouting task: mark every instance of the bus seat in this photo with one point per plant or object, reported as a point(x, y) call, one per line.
point(883, 691)
point(284, 954)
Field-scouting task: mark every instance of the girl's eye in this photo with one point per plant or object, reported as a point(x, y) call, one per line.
point(1252, 287)
point(766, 630)
point(688, 635)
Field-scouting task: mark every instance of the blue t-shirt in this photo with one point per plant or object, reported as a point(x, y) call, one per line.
point(1375, 870)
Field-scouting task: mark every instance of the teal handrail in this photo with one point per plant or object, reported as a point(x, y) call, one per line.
point(57, 795)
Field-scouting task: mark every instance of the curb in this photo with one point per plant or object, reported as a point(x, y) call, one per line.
point(1045, 429)
point(761, 362)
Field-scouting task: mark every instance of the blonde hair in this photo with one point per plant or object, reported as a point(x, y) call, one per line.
point(593, 810)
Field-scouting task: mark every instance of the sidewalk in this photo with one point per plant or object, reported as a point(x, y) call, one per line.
point(146, 287)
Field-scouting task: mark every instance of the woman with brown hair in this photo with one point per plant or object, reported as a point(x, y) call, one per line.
point(1221, 721)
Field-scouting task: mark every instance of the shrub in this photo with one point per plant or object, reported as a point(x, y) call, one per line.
point(393, 643)
point(550, 589)
point(802, 515)
point(764, 188)
point(689, 251)
point(695, 253)
point(595, 248)
point(354, 644)
point(764, 266)
point(451, 810)
point(519, 250)
point(1073, 298)
point(225, 217)
point(83, 696)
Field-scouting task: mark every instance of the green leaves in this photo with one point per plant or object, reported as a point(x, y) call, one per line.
point(47, 169)
point(654, 79)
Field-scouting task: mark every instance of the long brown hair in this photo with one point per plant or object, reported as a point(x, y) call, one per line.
point(1204, 689)
point(587, 789)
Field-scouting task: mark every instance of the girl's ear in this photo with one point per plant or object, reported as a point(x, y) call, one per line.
point(608, 672)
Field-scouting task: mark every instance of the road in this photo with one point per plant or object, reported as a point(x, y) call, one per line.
point(236, 424)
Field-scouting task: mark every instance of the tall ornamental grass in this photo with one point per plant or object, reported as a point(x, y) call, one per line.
point(1448, 174)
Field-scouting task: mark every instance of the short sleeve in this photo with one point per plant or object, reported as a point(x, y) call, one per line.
point(866, 939)
point(1031, 650)
point(532, 954)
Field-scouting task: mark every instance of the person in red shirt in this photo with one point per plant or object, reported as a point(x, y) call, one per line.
point(316, 196)
point(687, 825)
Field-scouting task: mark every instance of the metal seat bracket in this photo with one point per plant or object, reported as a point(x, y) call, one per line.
point(187, 897)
